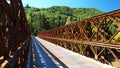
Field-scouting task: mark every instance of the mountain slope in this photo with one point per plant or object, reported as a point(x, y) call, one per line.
point(47, 18)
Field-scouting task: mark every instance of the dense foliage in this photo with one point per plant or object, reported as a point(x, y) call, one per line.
point(47, 18)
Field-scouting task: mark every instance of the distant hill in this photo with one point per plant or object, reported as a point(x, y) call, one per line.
point(47, 18)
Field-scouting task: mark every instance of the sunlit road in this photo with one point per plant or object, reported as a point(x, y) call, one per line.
point(47, 55)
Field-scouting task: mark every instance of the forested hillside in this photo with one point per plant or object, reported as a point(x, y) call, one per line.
point(47, 18)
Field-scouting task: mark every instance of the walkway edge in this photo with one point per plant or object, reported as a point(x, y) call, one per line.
point(68, 64)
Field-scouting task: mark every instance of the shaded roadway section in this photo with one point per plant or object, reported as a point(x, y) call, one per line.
point(39, 57)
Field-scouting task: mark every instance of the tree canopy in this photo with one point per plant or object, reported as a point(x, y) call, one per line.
point(48, 18)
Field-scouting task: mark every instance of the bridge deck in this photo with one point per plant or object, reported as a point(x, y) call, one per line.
point(39, 57)
point(71, 59)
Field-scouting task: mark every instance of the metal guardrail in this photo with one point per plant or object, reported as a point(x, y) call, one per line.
point(97, 37)
point(14, 34)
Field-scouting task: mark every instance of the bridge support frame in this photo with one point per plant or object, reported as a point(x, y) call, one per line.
point(97, 37)
point(14, 33)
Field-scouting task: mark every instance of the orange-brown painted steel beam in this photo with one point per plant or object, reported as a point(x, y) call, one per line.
point(97, 37)
point(14, 34)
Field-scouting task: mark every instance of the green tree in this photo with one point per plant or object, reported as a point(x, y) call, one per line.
point(48, 18)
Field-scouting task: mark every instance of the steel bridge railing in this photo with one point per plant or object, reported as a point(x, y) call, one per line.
point(14, 34)
point(97, 37)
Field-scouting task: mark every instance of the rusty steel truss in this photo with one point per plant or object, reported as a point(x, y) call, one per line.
point(97, 37)
point(14, 34)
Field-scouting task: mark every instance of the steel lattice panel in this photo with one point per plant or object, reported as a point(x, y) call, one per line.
point(97, 37)
point(14, 31)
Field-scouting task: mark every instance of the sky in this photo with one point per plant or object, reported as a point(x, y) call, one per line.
point(103, 5)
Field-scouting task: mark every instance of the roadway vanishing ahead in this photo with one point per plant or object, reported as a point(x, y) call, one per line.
point(43, 54)
point(70, 58)
point(42, 58)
